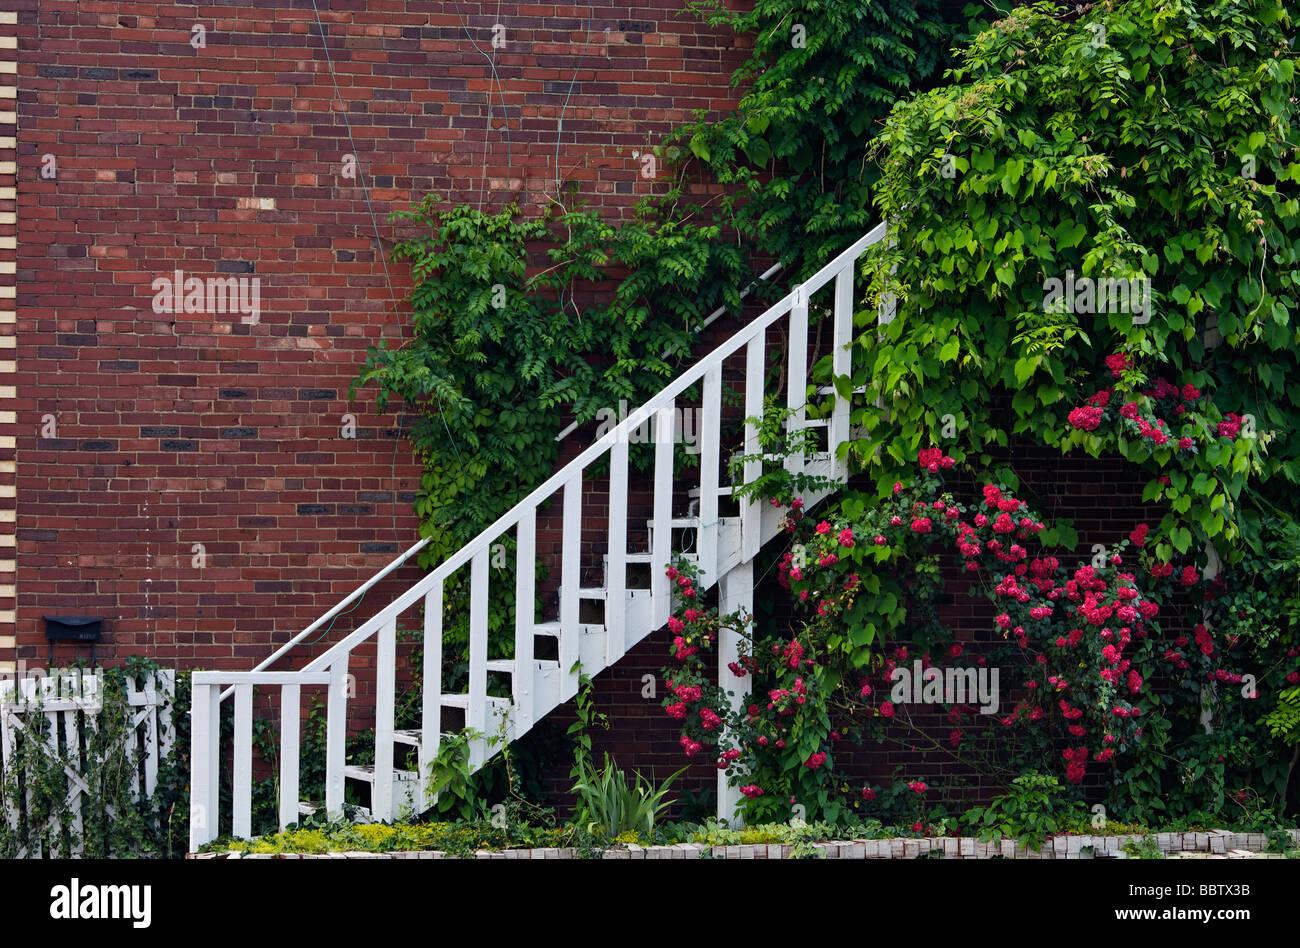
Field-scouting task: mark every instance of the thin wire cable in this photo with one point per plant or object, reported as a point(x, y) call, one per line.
point(383, 259)
point(559, 128)
point(491, 60)
point(345, 612)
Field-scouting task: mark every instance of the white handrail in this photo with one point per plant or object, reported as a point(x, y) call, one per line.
point(280, 652)
point(621, 431)
point(360, 591)
point(640, 415)
point(708, 321)
point(632, 422)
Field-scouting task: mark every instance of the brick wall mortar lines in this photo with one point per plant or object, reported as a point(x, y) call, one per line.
point(227, 161)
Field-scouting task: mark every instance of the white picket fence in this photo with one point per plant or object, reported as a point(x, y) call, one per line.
point(61, 713)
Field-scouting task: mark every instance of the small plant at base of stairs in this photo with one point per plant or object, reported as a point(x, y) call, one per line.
point(607, 805)
point(610, 806)
point(584, 717)
point(450, 777)
point(1144, 847)
point(1032, 811)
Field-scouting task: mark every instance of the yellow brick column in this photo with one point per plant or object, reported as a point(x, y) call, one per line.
point(8, 339)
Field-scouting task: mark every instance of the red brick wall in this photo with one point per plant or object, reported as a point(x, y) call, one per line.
point(175, 430)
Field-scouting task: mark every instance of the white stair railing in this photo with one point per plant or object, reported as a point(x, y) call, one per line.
point(723, 544)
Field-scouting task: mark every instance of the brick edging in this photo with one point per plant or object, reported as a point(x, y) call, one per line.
point(8, 338)
point(1216, 842)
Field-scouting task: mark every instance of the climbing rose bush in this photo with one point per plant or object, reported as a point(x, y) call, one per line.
point(693, 697)
point(867, 572)
point(1163, 415)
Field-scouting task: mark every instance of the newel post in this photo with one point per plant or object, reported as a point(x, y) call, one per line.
point(736, 593)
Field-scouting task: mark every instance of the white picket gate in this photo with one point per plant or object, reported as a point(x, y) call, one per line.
point(61, 713)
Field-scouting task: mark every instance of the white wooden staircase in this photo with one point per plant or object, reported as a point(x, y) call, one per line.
point(595, 625)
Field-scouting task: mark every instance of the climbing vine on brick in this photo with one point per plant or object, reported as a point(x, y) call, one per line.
point(1118, 182)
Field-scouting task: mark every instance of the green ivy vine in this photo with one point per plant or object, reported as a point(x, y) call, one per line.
point(1145, 141)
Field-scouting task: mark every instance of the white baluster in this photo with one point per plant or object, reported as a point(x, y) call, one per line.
point(661, 547)
point(381, 792)
point(710, 450)
point(431, 685)
point(797, 393)
point(570, 576)
point(290, 714)
point(752, 510)
point(205, 730)
point(476, 718)
point(616, 568)
point(242, 787)
point(842, 364)
point(336, 731)
point(525, 618)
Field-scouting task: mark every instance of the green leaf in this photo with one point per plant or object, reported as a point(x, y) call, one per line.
point(757, 150)
point(1025, 368)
